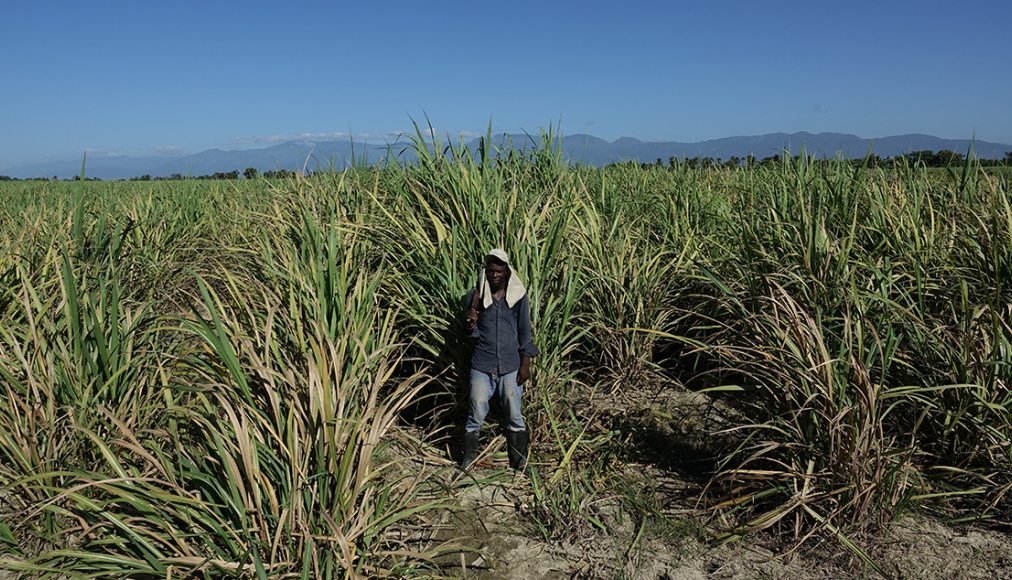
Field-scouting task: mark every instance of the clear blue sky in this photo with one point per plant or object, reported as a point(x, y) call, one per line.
point(139, 78)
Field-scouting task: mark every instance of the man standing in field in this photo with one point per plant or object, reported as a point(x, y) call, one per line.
point(499, 317)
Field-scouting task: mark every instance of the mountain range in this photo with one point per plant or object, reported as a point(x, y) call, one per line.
point(578, 148)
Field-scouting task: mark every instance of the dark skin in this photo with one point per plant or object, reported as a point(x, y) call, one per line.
point(498, 275)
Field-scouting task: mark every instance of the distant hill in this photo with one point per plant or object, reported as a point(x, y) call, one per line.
point(595, 151)
point(579, 148)
point(291, 155)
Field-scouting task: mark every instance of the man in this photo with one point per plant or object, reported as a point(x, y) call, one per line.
point(499, 316)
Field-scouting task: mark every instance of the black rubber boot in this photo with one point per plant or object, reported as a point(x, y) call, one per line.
point(470, 452)
point(517, 446)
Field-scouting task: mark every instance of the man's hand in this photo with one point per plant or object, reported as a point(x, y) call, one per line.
point(471, 318)
point(525, 370)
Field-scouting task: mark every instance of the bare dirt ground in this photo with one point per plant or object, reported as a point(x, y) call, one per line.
point(505, 548)
point(675, 544)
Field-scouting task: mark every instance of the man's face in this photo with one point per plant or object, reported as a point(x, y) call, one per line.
point(497, 274)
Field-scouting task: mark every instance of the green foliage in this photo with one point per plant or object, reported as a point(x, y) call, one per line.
point(212, 378)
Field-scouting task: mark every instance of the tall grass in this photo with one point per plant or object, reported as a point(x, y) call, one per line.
point(261, 377)
point(841, 328)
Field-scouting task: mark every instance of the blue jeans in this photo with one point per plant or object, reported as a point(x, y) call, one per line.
point(503, 387)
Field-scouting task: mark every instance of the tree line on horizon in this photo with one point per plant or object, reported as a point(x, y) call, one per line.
point(925, 157)
point(248, 173)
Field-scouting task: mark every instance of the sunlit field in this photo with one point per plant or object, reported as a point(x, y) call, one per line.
point(263, 377)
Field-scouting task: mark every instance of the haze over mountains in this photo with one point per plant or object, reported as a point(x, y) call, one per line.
point(579, 148)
